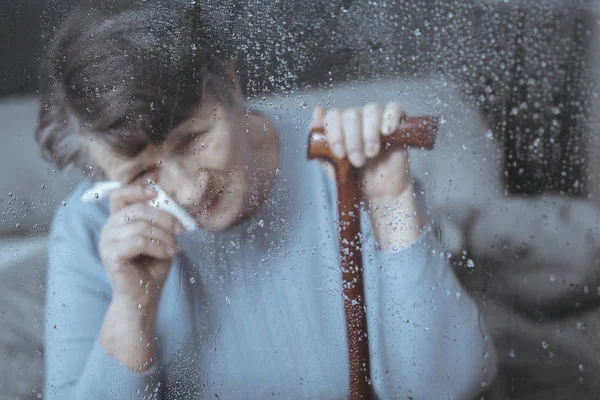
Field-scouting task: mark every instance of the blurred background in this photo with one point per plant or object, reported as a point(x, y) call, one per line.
point(530, 69)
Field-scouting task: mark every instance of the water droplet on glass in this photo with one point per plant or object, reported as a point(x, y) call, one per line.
point(544, 345)
point(192, 280)
point(227, 300)
point(470, 263)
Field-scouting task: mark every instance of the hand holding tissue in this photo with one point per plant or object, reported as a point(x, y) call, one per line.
point(101, 190)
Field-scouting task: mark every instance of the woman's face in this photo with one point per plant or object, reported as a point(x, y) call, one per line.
point(204, 164)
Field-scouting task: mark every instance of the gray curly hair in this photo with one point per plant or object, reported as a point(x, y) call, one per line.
point(126, 73)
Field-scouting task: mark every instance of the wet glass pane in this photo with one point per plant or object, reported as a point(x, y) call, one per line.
point(279, 199)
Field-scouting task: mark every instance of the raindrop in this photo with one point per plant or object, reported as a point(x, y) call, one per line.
point(192, 280)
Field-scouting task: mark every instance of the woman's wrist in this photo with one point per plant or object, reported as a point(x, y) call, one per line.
point(128, 334)
point(134, 312)
point(397, 220)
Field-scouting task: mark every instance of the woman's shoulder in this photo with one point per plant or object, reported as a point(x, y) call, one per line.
point(75, 216)
point(73, 258)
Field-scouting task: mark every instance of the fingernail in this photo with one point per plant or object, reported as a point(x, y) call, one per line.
point(357, 158)
point(371, 148)
point(338, 150)
point(316, 113)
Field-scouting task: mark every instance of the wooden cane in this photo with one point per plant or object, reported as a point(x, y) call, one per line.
point(412, 132)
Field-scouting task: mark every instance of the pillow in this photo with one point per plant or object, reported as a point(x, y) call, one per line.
point(31, 188)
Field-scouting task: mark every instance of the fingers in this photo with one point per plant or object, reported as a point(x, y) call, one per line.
point(328, 168)
point(356, 133)
point(135, 246)
point(352, 127)
point(392, 115)
point(146, 230)
point(333, 130)
point(148, 213)
point(318, 119)
point(130, 194)
point(371, 129)
point(140, 234)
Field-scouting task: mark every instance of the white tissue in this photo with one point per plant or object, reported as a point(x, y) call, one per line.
point(101, 190)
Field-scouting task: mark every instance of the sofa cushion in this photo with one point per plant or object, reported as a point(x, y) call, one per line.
point(31, 188)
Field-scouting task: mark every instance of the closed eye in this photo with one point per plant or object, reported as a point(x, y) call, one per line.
point(188, 141)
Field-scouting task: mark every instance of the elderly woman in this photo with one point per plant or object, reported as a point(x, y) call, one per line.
point(249, 305)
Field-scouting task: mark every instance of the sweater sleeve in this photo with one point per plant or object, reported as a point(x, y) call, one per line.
point(77, 296)
point(431, 342)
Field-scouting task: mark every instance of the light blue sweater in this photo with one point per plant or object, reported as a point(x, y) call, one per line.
point(256, 312)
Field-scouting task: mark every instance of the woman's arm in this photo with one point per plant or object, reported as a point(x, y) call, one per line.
point(434, 342)
point(84, 330)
